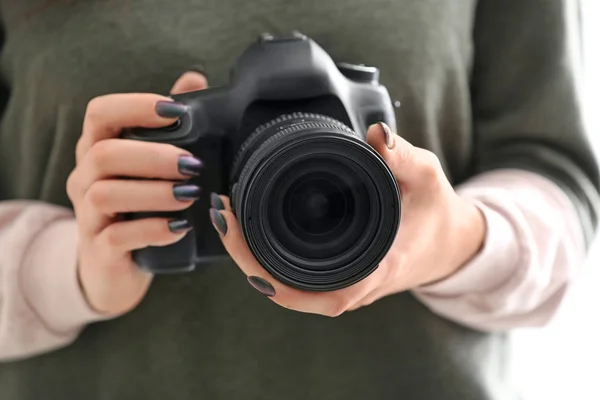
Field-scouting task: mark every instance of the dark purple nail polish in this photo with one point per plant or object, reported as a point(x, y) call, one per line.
point(185, 192)
point(216, 202)
point(262, 286)
point(170, 109)
point(218, 221)
point(179, 225)
point(387, 132)
point(189, 165)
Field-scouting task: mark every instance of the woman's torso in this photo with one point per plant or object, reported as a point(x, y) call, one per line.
point(209, 334)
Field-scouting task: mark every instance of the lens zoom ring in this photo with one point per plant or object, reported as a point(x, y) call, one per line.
point(259, 134)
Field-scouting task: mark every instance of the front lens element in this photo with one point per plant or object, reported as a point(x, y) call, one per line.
point(319, 207)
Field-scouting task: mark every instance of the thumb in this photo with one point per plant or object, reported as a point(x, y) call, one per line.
point(409, 164)
point(189, 82)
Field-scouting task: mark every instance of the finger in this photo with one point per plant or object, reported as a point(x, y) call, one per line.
point(107, 115)
point(220, 202)
point(328, 304)
point(375, 295)
point(125, 236)
point(128, 158)
point(365, 301)
point(410, 165)
point(114, 196)
point(283, 295)
point(226, 202)
point(189, 82)
point(90, 220)
point(349, 297)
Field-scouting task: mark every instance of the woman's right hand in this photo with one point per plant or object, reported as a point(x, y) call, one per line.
point(110, 280)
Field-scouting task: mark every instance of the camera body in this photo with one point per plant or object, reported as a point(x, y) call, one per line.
point(276, 85)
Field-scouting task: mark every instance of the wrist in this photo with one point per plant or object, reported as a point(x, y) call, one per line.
point(465, 239)
point(468, 236)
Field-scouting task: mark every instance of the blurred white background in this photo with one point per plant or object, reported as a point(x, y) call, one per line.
point(562, 361)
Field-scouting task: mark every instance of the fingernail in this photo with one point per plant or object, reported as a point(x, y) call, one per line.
point(389, 136)
point(189, 165)
point(179, 225)
point(218, 221)
point(216, 202)
point(186, 192)
point(262, 286)
point(170, 109)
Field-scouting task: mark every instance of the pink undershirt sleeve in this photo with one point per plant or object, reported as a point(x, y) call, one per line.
point(533, 249)
point(41, 304)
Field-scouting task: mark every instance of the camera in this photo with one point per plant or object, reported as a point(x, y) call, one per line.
point(286, 140)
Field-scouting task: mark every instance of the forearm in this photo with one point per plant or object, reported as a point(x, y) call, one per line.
point(533, 249)
point(41, 305)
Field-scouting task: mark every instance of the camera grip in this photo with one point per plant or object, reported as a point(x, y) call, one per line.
point(177, 257)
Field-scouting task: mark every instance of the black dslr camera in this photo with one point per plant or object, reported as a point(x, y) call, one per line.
point(318, 207)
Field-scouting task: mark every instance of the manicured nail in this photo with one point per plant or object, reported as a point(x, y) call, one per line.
point(186, 192)
point(170, 109)
point(179, 225)
point(388, 134)
point(189, 165)
point(218, 221)
point(216, 202)
point(262, 286)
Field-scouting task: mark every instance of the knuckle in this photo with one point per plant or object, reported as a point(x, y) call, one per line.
point(366, 303)
point(72, 185)
point(93, 107)
point(98, 195)
point(283, 304)
point(338, 308)
point(99, 153)
point(112, 238)
point(430, 165)
point(334, 313)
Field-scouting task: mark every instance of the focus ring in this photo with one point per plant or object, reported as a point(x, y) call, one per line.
point(256, 137)
point(287, 131)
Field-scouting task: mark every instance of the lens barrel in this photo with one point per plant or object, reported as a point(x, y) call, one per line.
point(318, 207)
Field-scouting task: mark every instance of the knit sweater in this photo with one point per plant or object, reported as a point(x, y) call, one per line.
point(486, 86)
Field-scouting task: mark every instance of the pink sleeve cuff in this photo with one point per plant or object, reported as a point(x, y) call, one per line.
point(49, 279)
point(534, 248)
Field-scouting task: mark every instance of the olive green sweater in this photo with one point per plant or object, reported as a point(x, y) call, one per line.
point(484, 84)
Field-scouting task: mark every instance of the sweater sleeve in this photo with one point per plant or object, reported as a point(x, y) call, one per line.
point(42, 307)
point(533, 251)
point(527, 110)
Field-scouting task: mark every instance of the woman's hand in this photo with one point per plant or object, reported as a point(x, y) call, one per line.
point(439, 232)
point(111, 281)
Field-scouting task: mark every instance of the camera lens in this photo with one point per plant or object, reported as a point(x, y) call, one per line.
point(318, 207)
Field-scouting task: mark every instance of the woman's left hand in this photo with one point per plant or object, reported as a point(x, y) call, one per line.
point(439, 232)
